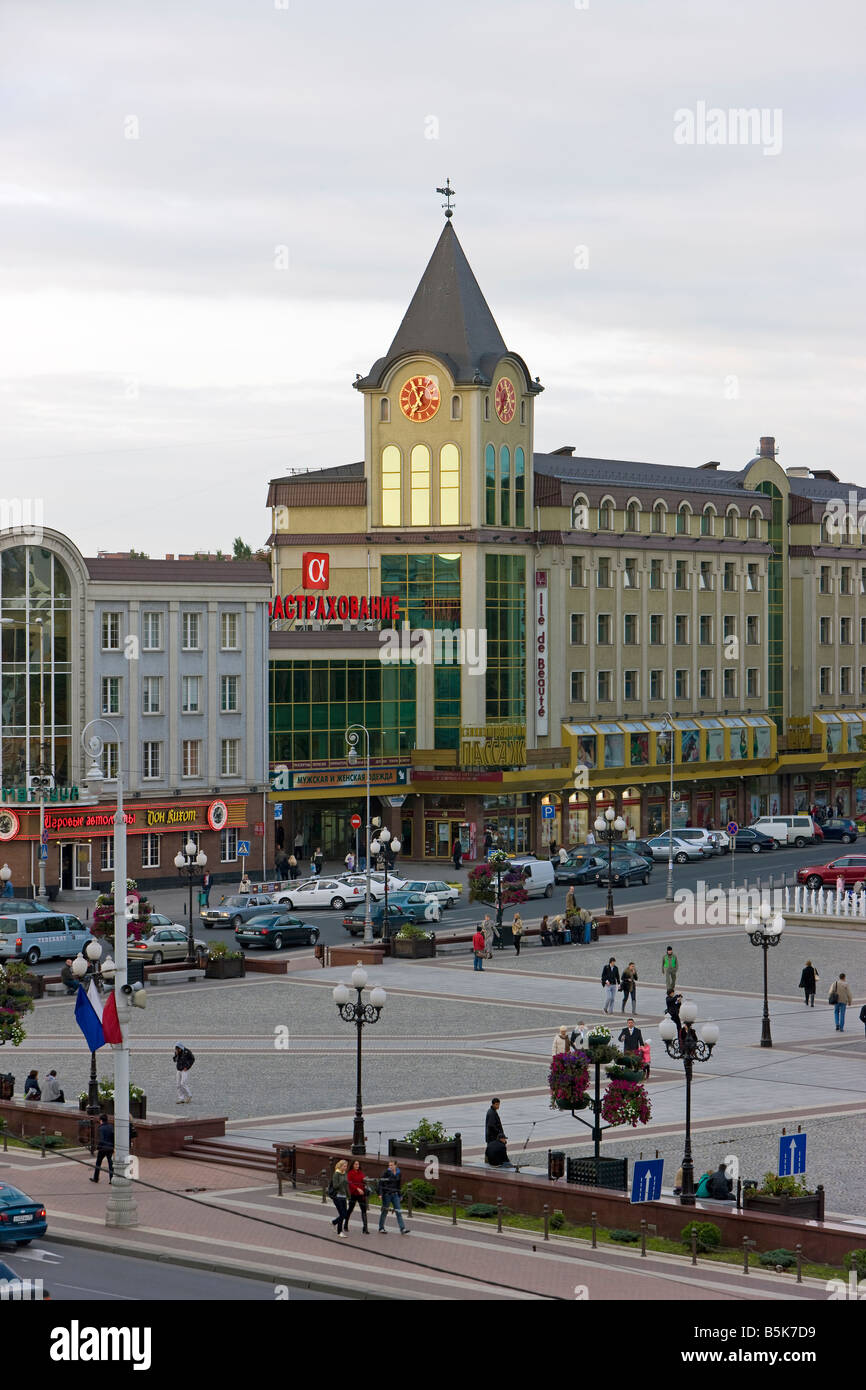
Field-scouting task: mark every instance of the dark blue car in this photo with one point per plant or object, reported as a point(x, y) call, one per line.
point(21, 1219)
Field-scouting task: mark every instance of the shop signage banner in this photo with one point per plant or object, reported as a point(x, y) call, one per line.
point(340, 777)
point(493, 745)
point(27, 794)
point(541, 654)
point(333, 608)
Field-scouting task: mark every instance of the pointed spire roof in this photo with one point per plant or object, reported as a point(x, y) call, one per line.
point(449, 318)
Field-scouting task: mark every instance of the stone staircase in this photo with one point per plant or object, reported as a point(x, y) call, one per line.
point(225, 1153)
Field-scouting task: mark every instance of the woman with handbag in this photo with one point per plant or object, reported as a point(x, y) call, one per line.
point(357, 1194)
point(628, 986)
point(517, 931)
point(338, 1191)
point(808, 980)
point(840, 998)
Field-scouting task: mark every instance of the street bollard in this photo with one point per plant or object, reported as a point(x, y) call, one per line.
point(409, 1203)
point(546, 1222)
point(799, 1253)
point(643, 1238)
point(694, 1246)
point(42, 1141)
point(499, 1216)
point(746, 1244)
point(594, 1223)
point(453, 1206)
point(324, 1185)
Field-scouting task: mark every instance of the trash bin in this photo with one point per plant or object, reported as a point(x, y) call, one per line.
point(135, 972)
point(7, 1086)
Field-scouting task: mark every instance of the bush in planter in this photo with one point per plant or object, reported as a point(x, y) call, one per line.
point(106, 1091)
point(624, 1237)
point(628, 1067)
point(428, 1132)
point(709, 1237)
point(774, 1186)
point(410, 931)
point(15, 1001)
point(777, 1259)
point(568, 1080)
point(220, 951)
point(856, 1260)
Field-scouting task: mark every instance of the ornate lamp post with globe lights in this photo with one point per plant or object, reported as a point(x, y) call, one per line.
point(383, 843)
point(190, 860)
point(353, 738)
point(684, 1044)
point(609, 828)
point(359, 1012)
point(765, 933)
point(85, 968)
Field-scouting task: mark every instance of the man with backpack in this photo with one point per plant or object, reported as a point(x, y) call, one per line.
point(183, 1060)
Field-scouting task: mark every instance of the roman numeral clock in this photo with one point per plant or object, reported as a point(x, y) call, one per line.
point(420, 398)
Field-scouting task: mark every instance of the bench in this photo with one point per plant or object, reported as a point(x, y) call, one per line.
point(176, 977)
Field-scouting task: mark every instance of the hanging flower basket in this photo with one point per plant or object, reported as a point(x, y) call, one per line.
point(568, 1080)
point(626, 1103)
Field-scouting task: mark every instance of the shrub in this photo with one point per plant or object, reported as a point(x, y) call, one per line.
point(410, 931)
point(423, 1193)
point(856, 1259)
point(483, 1209)
point(709, 1237)
point(557, 1221)
point(220, 951)
point(777, 1259)
point(625, 1237)
point(48, 1141)
point(774, 1186)
point(427, 1132)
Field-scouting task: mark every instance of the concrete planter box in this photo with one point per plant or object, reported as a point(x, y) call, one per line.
point(412, 949)
point(451, 1152)
point(222, 969)
point(137, 1108)
point(808, 1208)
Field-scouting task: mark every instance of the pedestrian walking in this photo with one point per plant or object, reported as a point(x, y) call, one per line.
point(517, 932)
point(183, 1061)
point(357, 1194)
point(644, 1053)
point(863, 1015)
point(628, 986)
point(246, 886)
point(317, 862)
point(631, 1037)
point(205, 889)
point(282, 866)
point(552, 849)
point(488, 842)
point(577, 1037)
point(478, 949)
point(349, 862)
point(570, 902)
point(495, 1138)
point(338, 1191)
point(389, 1190)
point(104, 1148)
point(8, 890)
point(808, 980)
point(670, 965)
point(457, 853)
point(52, 1090)
point(293, 867)
point(840, 998)
point(563, 855)
point(561, 1042)
point(609, 981)
point(68, 978)
point(32, 1089)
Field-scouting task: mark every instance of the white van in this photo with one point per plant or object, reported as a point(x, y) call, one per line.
point(796, 830)
point(538, 877)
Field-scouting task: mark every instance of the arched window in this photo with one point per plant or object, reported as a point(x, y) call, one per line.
point(708, 516)
point(523, 412)
point(519, 487)
point(449, 485)
point(505, 485)
point(732, 516)
point(456, 408)
point(490, 485)
point(579, 513)
point(825, 528)
point(384, 410)
point(392, 496)
point(632, 516)
point(755, 524)
point(420, 471)
point(605, 515)
point(684, 513)
point(660, 513)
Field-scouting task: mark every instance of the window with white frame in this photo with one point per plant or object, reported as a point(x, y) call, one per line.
point(846, 631)
point(659, 518)
point(603, 629)
point(190, 694)
point(111, 632)
point(729, 683)
point(681, 685)
point(825, 583)
point(603, 686)
point(630, 629)
point(106, 853)
point(657, 629)
point(845, 680)
point(753, 580)
point(151, 632)
point(681, 574)
point(825, 631)
point(863, 629)
point(230, 628)
point(753, 632)
point(602, 574)
point(863, 680)
point(705, 578)
point(729, 578)
point(111, 694)
point(845, 579)
point(578, 687)
point(681, 630)
point(705, 684)
point(578, 574)
point(578, 629)
point(657, 578)
point(705, 630)
point(629, 574)
point(191, 757)
point(150, 851)
point(109, 761)
point(230, 754)
point(825, 680)
point(753, 684)
point(657, 684)
point(151, 763)
point(151, 695)
point(630, 685)
point(228, 844)
point(229, 694)
point(191, 632)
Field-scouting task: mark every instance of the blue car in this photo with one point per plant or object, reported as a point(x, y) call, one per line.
point(21, 1219)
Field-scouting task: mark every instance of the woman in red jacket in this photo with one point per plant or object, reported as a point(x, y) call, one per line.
point(357, 1193)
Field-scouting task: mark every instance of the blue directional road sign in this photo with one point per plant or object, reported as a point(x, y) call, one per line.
point(792, 1154)
point(43, 851)
point(548, 812)
point(646, 1182)
point(243, 849)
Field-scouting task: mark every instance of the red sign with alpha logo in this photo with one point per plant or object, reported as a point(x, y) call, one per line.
point(315, 566)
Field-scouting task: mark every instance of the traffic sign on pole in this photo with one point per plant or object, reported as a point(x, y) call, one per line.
point(548, 812)
point(646, 1182)
point(732, 827)
point(43, 851)
point(792, 1154)
point(355, 822)
point(243, 849)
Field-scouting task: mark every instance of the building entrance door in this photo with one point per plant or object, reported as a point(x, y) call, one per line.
point(74, 865)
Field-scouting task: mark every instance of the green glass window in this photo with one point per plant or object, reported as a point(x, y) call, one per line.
point(490, 485)
point(505, 485)
point(505, 617)
point(328, 696)
point(519, 487)
point(428, 587)
point(34, 585)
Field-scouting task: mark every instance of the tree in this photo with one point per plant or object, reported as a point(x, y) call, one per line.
point(138, 555)
point(242, 551)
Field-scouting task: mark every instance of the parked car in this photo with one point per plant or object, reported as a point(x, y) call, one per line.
point(641, 847)
point(21, 1219)
point(321, 893)
point(538, 875)
point(798, 829)
point(626, 869)
point(420, 907)
point(235, 909)
point(394, 879)
point(166, 943)
point(34, 936)
point(276, 930)
point(754, 840)
point(851, 868)
point(159, 919)
point(581, 867)
point(24, 905)
point(684, 850)
point(443, 892)
point(696, 835)
point(397, 918)
point(840, 828)
point(377, 886)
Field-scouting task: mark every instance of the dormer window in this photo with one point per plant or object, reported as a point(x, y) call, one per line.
point(384, 410)
point(456, 408)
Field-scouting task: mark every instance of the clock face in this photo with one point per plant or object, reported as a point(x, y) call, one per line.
point(419, 398)
point(505, 400)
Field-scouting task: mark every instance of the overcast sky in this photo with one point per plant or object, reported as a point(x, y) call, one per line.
point(214, 214)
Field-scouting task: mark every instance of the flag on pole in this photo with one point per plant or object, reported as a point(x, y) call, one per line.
point(99, 1023)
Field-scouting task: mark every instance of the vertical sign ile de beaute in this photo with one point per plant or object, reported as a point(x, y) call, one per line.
point(541, 612)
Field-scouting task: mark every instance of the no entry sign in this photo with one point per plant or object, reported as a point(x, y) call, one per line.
point(355, 822)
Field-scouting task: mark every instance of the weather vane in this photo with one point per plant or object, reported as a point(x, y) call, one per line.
point(448, 191)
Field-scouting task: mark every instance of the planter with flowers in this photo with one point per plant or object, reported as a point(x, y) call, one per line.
point(223, 964)
point(626, 1103)
point(569, 1081)
point(413, 942)
point(15, 1001)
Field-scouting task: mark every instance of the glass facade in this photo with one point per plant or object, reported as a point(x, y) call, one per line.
point(519, 487)
point(505, 618)
point(312, 704)
point(428, 587)
point(36, 606)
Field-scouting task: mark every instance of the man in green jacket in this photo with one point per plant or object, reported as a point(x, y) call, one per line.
point(669, 966)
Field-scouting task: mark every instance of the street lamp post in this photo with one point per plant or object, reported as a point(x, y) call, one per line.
point(353, 738)
point(385, 843)
point(668, 723)
point(189, 861)
point(122, 1209)
point(85, 968)
point(609, 827)
point(765, 934)
point(684, 1044)
point(359, 1012)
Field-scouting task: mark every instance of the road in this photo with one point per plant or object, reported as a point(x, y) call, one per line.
point(725, 871)
point(75, 1272)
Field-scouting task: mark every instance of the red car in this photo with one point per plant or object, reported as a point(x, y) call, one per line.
point(851, 868)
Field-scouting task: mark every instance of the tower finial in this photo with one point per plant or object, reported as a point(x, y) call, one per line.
point(448, 192)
